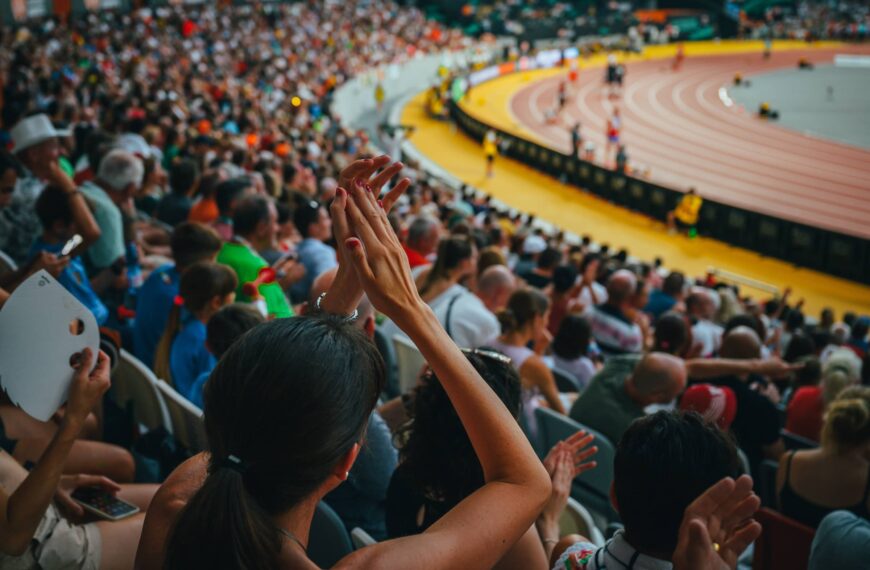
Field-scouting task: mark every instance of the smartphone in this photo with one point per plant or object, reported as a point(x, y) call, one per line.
point(284, 259)
point(70, 245)
point(103, 504)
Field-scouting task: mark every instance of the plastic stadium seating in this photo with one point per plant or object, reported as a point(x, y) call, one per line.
point(6, 264)
point(577, 520)
point(187, 425)
point(409, 361)
point(134, 388)
point(565, 381)
point(794, 441)
point(765, 483)
point(361, 538)
point(328, 540)
point(784, 542)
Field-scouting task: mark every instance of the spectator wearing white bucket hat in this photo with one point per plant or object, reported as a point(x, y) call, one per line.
point(36, 146)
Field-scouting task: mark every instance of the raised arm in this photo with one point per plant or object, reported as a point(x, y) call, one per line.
point(478, 531)
point(85, 222)
point(698, 368)
point(21, 512)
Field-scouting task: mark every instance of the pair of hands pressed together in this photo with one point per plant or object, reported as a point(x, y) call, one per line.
point(370, 256)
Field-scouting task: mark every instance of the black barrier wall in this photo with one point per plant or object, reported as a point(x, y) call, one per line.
point(805, 246)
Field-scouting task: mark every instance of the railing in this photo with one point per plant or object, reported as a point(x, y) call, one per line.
point(805, 246)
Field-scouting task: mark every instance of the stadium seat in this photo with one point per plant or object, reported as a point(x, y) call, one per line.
point(784, 542)
point(328, 540)
point(187, 425)
point(361, 538)
point(744, 461)
point(6, 263)
point(794, 441)
point(385, 347)
point(592, 488)
point(765, 483)
point(409, 363)
point(565, 381)
point(577, 520)
point(134, 388)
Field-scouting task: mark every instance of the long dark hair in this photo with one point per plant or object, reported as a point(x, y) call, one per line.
point(572, 339)
point(451, 252)
point(288, 400)
point(435, 452)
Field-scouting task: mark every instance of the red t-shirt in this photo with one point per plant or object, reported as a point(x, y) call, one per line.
point(805, 413)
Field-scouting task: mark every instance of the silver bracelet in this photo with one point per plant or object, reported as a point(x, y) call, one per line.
point(350, 318)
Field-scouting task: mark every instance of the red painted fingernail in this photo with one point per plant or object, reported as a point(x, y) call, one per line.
point(340, 192)
point(381, 203)
point(369, 188)
point(358, 182)
point(352, 243)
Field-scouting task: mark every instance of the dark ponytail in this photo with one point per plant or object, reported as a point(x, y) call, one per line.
point(451, 252)
point(286, 402)
point(200, 283)
point(522, 308)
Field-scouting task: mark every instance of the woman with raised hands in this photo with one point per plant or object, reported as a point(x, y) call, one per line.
point(285, 411)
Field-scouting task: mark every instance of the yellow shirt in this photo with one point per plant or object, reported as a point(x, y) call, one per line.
point(489, 146)
point(688, 208)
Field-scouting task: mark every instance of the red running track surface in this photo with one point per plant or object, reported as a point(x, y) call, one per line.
point(675, 124)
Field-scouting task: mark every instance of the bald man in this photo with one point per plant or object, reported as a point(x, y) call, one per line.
point(613, 330)
point(618, 394)
point(757, 423)
point(469, 317)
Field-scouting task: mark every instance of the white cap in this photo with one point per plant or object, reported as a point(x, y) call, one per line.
point(33, 130)
point(534, 244)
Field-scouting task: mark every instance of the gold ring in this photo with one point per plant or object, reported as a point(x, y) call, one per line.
point(716, 546)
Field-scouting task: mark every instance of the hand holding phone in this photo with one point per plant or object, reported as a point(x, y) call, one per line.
point(102, 503)
point(70, 245)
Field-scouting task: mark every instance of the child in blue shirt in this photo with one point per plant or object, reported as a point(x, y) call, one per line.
point(223, 329)
point(190, 243)
point(182, 355)
point(60, 223)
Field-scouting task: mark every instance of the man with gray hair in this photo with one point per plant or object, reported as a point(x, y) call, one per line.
point(422, 241)
point(614, 331)
point(119, 177)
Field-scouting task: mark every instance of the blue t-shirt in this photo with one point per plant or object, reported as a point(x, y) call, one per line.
point(195, 395)
point(317, 257)
point(153, 303)
point(659, 303)
point(189, 357)
point(76, 281)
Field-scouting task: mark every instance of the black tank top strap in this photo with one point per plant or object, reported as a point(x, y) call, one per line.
point(788, 468)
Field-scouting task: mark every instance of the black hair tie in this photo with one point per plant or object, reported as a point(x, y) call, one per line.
point(234, 463)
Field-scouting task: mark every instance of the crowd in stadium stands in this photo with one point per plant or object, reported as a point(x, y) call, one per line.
point(813, 20)
point(260, 258)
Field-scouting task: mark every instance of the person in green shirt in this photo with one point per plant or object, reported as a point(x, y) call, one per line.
point(618, 394)
point(255, 222)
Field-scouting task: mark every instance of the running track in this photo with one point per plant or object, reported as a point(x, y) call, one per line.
point(675, 124)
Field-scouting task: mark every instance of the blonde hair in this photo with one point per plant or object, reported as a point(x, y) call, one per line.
point(847, 422)
point(840, 370)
